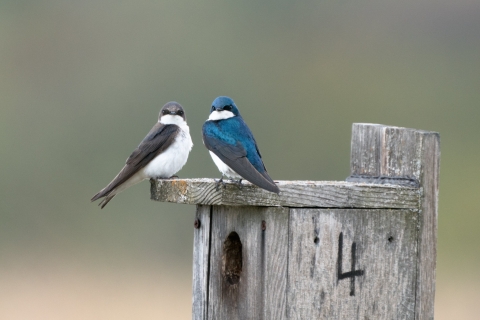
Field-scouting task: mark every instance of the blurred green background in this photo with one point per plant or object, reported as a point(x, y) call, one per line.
point(82, 82)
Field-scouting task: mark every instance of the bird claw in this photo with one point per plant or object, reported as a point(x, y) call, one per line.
point(174, 177)
point(238, 183)
point(218, 182)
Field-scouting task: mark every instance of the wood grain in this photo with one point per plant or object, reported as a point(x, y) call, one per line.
point(261, 290)
point(405, 154)
point(365, 149)
point(201, 257)
point(321, 194)
point(385, 252)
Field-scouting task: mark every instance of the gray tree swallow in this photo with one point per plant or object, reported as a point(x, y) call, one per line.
point(161, 154)
point(233, 147)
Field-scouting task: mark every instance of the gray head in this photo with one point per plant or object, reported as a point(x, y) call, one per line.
point(172, 113)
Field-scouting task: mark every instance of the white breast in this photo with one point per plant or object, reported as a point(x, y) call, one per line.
point(223, 168)
point(174, 158)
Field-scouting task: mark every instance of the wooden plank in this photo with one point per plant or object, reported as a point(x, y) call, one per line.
point(416, 153)
point(201, 255)
point(322, 194)
point(261, 289)
point(319, 283)
point(427, 253)
point(365, 150)
point(406, 155)
point(377, 159)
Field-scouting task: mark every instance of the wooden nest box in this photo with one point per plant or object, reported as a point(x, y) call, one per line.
point(360, 249)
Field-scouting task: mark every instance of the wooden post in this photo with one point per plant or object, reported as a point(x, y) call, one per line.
point(360, 249)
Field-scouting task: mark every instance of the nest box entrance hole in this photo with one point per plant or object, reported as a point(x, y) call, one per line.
point(232, 258)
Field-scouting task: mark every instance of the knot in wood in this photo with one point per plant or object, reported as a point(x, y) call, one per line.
point(197, 224)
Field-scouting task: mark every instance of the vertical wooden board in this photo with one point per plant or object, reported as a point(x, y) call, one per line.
point(427, 247)
point(365, 149)
point(401, 152)
point(413, 154)
point(275, 266)
point(260, 292)
point(201, 252)
point(416, 154)
point(385, 264)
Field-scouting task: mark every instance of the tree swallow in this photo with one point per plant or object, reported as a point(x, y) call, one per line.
point(233, 147)
point(161, 154)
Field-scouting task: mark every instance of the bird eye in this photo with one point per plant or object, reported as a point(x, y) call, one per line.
point(165, 111)
point(213, 108)
point(228, 108)
point(180, 112)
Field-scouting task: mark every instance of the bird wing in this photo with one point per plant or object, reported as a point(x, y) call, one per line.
point(235, 156)
point(157, 140)
point(264, 173)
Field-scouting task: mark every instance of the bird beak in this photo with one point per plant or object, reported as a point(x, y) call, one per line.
point(172, 113)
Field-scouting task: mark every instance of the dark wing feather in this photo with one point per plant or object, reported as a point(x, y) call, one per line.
point(158, 140)
point(235, 156)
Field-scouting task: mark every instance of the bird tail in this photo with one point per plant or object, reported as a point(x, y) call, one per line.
point(98, 195)
point(109, 188)
point(107, 194)
point(270, 186)
point(106, 200)
point(117, 185)
point(109, 191)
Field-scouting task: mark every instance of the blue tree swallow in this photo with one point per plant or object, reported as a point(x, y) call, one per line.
point(233, 147)
point(161, 154)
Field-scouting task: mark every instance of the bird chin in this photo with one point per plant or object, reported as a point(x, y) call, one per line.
point(171, 119)
point(220, 115)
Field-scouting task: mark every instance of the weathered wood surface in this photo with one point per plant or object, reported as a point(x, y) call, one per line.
point(201, 256)
point(321, 194)
point(290, 270)
point(261, 289)
point(427, 253)
point(395, 154)
point(386, 252)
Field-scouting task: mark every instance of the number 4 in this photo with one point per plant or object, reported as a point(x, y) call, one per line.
point(351, 274)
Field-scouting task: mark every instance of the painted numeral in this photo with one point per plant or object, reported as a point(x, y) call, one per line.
point(350, 274)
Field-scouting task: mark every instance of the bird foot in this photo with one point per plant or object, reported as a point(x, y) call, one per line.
point(165, 178)
point(238, 183)
point(218, 182)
